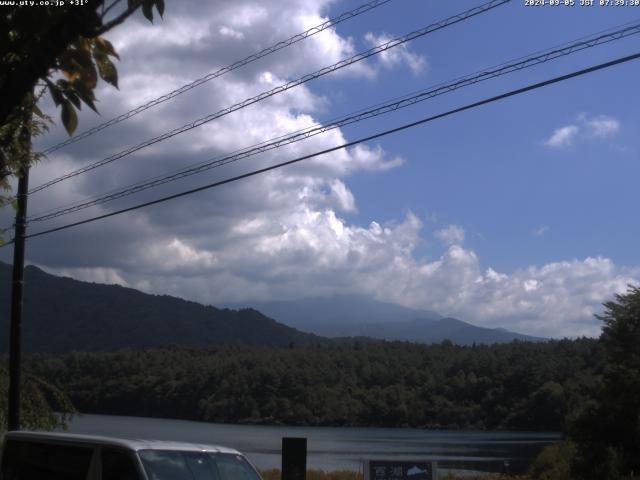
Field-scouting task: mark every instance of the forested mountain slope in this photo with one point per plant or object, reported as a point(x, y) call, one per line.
point(62, 315)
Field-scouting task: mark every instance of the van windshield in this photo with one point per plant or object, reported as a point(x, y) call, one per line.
point(185, 465)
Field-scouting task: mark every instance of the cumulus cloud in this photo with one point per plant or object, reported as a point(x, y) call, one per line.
point(305, 252)
point(586, 127)
point(451, 235)
point(287, 233)
point(562, 137)
point(559, 296)
point(400, 55)
point(602, 125)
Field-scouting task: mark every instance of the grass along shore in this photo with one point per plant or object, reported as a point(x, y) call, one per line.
point(275, 474)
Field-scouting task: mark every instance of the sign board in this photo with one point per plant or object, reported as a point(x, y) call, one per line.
point(399, 470)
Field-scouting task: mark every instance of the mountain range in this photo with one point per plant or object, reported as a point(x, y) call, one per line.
point(359, 316)
point(62, 314)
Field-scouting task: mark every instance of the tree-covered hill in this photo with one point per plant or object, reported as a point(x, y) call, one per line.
point(517, 386)
point(63, 315)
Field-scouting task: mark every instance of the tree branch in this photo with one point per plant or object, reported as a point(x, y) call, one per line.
point(105, 11)
point(41, 56)
point(118, 20)
point(3, 166)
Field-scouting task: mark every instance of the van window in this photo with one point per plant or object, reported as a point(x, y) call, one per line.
point(233, 467)
point(184, 465)
point(118, 465)
point(26, 460)
point(171, 465)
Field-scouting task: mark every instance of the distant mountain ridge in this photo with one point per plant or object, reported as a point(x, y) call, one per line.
point(62, 315)
point(354, 315)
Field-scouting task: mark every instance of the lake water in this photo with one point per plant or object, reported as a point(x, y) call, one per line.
point(335, 448)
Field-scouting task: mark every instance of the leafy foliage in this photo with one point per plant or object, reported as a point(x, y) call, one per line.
point(24, 123)
point(43, 406)
point(37, 45)
point(275, 474)
point(38, 42)
point(607, 431)
point(376, 384)
point(554, 462)
point(81, 63)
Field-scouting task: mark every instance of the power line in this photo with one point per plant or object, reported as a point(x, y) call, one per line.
point(286, 86)
point(222, 71)
point(380, 109)
point(470, 106)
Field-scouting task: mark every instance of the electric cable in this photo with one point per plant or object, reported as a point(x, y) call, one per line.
point(470, 106)
point(380, 109)
point(222, 71)
point(281, 88)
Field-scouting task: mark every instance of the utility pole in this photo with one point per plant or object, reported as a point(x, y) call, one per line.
point(17, 283)
point(17, 287)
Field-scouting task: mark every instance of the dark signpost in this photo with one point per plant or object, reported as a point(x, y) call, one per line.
point(294, 458)
point(399, 470)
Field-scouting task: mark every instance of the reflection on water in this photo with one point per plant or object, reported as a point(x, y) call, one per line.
point(334, 448)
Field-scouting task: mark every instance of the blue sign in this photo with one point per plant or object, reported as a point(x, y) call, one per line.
point(400, 470)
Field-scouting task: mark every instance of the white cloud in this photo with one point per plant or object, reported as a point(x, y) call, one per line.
point(587, 127)
point(451, 235)
point(398, 55)
point(284, 234)
point(343, 196)
point(302, 251)
point(562, 137)
point(109, 276)
point(603, 126)
point(230, 32)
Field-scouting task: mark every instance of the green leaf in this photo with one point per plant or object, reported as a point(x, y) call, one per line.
point(56, 94)
point(147, 9)
point(69, 117)
point(71, 95)
point(68, 90)
point(160, 7)
point(85, 94)
point(67, 65)
point(82, 58)
point(104, 45)
point(107, 70)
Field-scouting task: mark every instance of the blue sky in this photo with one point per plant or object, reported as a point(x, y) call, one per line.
point(520, 201)
point(519, 214)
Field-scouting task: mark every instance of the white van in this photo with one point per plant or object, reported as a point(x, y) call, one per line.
point(61, 456)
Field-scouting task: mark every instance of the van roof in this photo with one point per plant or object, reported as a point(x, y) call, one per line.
point(129, 443)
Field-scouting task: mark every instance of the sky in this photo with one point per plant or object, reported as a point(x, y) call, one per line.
point(519, 214)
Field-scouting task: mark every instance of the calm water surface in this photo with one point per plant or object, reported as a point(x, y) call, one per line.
point(334, 448)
